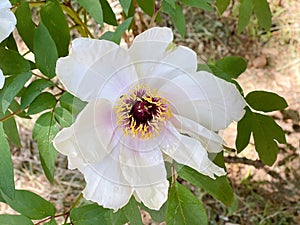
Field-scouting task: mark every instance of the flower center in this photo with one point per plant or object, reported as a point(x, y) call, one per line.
point(142, 113)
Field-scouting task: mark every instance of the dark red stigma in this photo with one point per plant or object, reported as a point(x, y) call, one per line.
point(142, 111)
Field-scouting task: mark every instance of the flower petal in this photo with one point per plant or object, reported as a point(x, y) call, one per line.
point(163, 34)
point(2, 79)
point(96, 69)
point(8, 20)
point(188, 151)
point(105, 183)
point(211, 141)
point(144, 170)
point(5, 4)
point(155, 57)
point(90, 138)
point(205, 98)
point(153, 196)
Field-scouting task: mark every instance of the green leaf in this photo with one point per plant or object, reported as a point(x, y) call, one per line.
point(94, 9)
point(109, 16)
point(11, 43)
point(233, 66)
point(7, 185)
point(202, 4)
point(245, 13)
point(117, 35)
point(177, 17)
point(184, 208)
point(265, 132)
point(121, 29)
point(219, 188)
point(13, 2)
point(108, 35)
point(125, 5)
point(157, 216)
point(263, 13)
point(55, 21)
point(14, 107)
point(132, 212)
point(45, 54)
point(6, 219)
point(63, 117)
point(11, 130)
point(33, 90)
point(44, 131)
point(30, 204)
point(244, 129)
point(265, 101)
point(11, 88)
point(147, 6)
point(172, 3)
point(88, 215)
point(73, 104)
point(214, 70)
point(115, 218)
point(222, 5)
point(25, 26)
point(218, 159)
point(51, 222)
point(1, 198)
point(42, 102)
point(12, 62)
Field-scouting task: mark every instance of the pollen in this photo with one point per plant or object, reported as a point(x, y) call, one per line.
point(142, 113)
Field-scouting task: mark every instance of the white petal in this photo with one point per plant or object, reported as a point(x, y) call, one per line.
point(90, 138)
point(7, 20)
point(144, 169)
point(2, 79)
point(155, 57)
point(155, 34)
point(153, 196)
point(96, 69)
point(211, 141)
point(105, 183)
point(5, 4)
point(205, 98)
point(190, 152)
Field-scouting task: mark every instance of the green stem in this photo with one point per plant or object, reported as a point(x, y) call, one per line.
point(73, 206)
point(154, 16)
point(73, 15)
point(36, 4)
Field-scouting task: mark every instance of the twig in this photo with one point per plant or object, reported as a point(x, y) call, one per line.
point(50, 218)
point(156, 11)
point(74, 205)
point(10, 115)
point(234, 159)
point(67, 214)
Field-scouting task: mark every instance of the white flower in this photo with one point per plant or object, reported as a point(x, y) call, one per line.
point(145, 104)
point(7, 25)
point(2, 79)
point(7, 19)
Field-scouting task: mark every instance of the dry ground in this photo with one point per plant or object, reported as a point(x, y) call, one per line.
point(265, 195)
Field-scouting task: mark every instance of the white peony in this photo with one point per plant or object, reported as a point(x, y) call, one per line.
point(7, 19)
point(7, 25)
point(2, 79)
point(145, 104)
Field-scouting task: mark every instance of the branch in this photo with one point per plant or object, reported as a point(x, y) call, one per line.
point(233, 159)
point(10, 115)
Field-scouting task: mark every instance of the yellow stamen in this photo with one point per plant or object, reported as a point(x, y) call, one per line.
point(142, 112)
